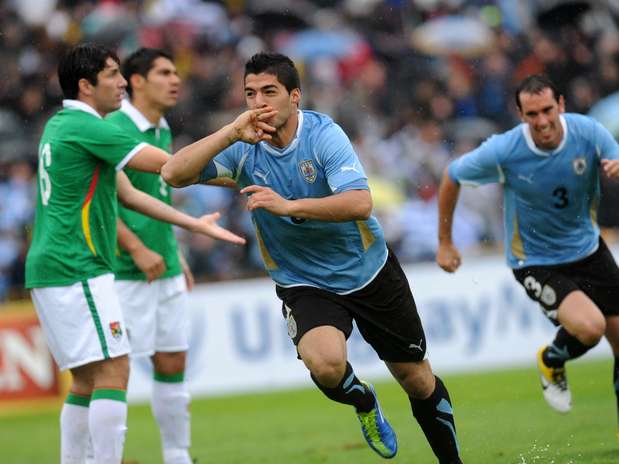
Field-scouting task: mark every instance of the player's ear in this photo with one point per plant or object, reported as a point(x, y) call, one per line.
point(137, 81)
point(561, 104)
point(296, 96)
point(84, 86)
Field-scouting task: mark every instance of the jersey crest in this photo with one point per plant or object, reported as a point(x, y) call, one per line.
point(308, 170)
point(580, 165)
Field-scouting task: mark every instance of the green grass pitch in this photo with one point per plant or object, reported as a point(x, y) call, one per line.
point(501, 418)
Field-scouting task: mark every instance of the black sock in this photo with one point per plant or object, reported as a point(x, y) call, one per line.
point(349, 391)
point(616, 383)
point(435, 416)
point(564, 347)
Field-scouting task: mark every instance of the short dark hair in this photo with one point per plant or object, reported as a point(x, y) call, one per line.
point(276, 64)
point(141, 62)
point(83, 61)
point(535, 84)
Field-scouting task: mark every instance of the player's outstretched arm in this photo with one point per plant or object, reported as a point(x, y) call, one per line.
point(352, 205)
point(139, 201)
point(148, 261)
point(447, 256)
point(185, 166)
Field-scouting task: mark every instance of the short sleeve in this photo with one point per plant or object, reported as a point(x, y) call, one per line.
point(605, 144)
point(109, 143)
point(338, 159)
point(478, 167)
point(225, 164)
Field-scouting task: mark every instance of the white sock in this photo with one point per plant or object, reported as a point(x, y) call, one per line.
point(74, 430)
point(108, 425)
point(170, 403)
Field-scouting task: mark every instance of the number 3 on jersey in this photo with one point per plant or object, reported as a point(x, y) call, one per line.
point(561, 199)
point(45, 183)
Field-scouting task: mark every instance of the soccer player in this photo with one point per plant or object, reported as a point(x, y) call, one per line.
point(152, 278)
point(70, 262)
point(311, 207)
point(550, 166)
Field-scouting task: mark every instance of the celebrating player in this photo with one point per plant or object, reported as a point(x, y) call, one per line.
point(311, 207)
point(550, 166)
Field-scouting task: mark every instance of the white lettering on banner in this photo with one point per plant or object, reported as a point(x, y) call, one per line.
point(25, 356)
point(239, 340)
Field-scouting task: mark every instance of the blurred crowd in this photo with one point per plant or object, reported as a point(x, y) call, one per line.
point(414, 83)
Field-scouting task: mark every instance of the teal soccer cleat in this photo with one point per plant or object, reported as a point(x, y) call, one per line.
point(376, 430)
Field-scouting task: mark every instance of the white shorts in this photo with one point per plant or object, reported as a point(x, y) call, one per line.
point(156, 314)
point(82, 322)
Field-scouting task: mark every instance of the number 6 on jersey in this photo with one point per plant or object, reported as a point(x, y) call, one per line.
point(45, 183)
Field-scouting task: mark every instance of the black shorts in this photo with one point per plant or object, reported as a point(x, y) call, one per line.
point(596, 275)
point(384, 311)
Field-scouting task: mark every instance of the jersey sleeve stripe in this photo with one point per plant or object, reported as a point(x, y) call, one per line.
point(86, 211)
point(130, 155)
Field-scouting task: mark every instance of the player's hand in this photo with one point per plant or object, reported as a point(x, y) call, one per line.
point(611, 168)
point(189, 280)
point(264, 197)
point(448, 257)
point(207, 225)
point(251, 127)
point(149, 262)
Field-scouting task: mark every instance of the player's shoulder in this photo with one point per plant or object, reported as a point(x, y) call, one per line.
point(118, 118)
point(580, 124)
point(506, 142)
point(321, 127)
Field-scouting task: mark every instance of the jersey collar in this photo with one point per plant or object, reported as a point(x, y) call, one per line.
point(80, 105)
point(526, 131)
point(291, 146)
point(139, 119)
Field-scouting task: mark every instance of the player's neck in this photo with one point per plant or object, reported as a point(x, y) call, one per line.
point(287, 132)
point(151, 112)
point(92, 103)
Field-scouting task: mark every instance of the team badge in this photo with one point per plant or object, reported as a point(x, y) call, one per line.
point(308, 170)
point(116, 329)
point(290, 322)
point(580, 165)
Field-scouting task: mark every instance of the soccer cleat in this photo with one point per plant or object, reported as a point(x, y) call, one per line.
point(554, 384)
point(376, 430)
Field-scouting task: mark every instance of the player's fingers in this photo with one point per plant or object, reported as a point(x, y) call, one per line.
point(252, 189)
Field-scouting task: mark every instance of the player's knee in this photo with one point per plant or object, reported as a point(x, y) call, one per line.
point(113, 373)
point(328, 370)
point(418, 380)
point(591, 331)
point(169, 363)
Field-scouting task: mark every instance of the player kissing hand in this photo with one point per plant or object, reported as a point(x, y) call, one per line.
point(264, 197)
point(207, 225)
point(251, 126)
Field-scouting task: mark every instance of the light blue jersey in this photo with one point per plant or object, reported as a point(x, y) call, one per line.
point(550, 197)
point(340, 257)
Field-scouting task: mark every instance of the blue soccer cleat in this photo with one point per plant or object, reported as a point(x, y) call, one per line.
point(376, 430)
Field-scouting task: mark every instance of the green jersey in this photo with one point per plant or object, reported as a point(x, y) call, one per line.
point(74, 235)
point(156, 235)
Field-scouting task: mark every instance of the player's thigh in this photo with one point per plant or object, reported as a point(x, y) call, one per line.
point(172, 316)
point(316, 321)
point(83, 322)
point(386, 315)
point(138, 301)
point(547, 286)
